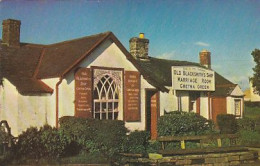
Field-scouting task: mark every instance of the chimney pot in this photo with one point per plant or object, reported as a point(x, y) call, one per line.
point(205, 59)
point(11, 32)
point(141, 35)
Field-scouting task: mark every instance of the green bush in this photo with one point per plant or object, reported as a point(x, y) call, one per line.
point(184, 123)
point(137, 142)
point(53, 141)
point(227, 123)
point(249, 138)
point(153, 147)
point(45, 142)
point(93, 135)
point(246, 124)
point(29, 144)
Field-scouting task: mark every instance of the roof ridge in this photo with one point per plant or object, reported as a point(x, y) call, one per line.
point(36, 71)
point(76, 39)
point(87, 52)
point(172, 60)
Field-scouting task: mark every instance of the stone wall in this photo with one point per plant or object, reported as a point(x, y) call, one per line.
point(216, 159)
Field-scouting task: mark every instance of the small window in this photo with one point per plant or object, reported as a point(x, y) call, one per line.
point(238, 107)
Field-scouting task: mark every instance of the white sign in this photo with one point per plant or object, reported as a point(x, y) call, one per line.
point(192, 78)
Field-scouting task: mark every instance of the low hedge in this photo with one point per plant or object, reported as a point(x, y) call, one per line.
point(246, 124)
point(44, 142)
point(93, 135)
point(184, 123)
point(136, 142)
point(227, 123)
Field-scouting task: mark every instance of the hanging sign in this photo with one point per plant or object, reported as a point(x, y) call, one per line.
point(83, 93)
point(192, 78)
point(132, 96)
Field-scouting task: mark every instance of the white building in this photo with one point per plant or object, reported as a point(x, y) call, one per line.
point(96, 77)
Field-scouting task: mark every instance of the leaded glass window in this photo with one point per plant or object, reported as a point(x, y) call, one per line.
point(106, 94)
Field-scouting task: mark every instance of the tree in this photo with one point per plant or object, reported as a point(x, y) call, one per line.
point(256, 77)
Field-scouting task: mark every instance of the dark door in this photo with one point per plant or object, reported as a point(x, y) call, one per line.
point(152, 112)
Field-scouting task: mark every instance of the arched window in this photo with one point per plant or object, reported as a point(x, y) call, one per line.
point(106, 98)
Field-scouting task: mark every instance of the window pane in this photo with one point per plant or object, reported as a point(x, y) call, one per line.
point(237, 107)
point(110, 107)
point(115, 115)
point(115, 106)
point(97, 115)
point(97, 107)
point(104, 116)
point(110, 115)
point(104, 107)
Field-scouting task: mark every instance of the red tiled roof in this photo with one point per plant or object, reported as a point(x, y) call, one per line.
point(25, 66)
point(18, 66)
point(58, 58)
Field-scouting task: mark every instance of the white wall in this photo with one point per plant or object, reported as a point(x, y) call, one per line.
point(32, 112)
point(184, 95)
point(9, 107)
point(107, 55)
point(22, 112)
point(169, 101)
point(231, 105)
point(204, 106)
point(51, 101)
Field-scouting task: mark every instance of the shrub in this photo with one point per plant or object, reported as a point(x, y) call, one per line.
point(227, 123)
point(249, 138)
point(54, 142)
point(184, 123)
point(29, 143)
point(109, 137)
point(45, 142)
point(93, 135)
point(137, 142)
point(246, 124)
point(153, 147)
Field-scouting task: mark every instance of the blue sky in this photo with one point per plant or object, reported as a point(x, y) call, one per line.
point(177, 29)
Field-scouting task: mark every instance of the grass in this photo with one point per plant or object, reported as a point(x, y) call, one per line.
point(252, 112)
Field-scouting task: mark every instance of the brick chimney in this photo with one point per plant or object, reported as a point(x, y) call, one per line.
point(11, 33)
point(205, 59)
point(139, 46)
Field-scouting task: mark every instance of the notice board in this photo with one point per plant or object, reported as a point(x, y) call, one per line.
point(83, 93)
point(132, 96)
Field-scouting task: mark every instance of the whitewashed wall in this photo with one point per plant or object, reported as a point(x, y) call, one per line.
point(107, 55)
point(168, 101)
point(51, 101)
point(22, 112)
point(9, 108)
point(231, 105)
point(204, 105)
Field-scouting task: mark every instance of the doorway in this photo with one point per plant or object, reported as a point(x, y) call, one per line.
point(152, 111)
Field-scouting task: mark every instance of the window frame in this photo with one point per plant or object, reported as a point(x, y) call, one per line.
point(240, 107)
point(108, 101)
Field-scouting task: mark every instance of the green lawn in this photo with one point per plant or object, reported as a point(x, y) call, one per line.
point(252, 112)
